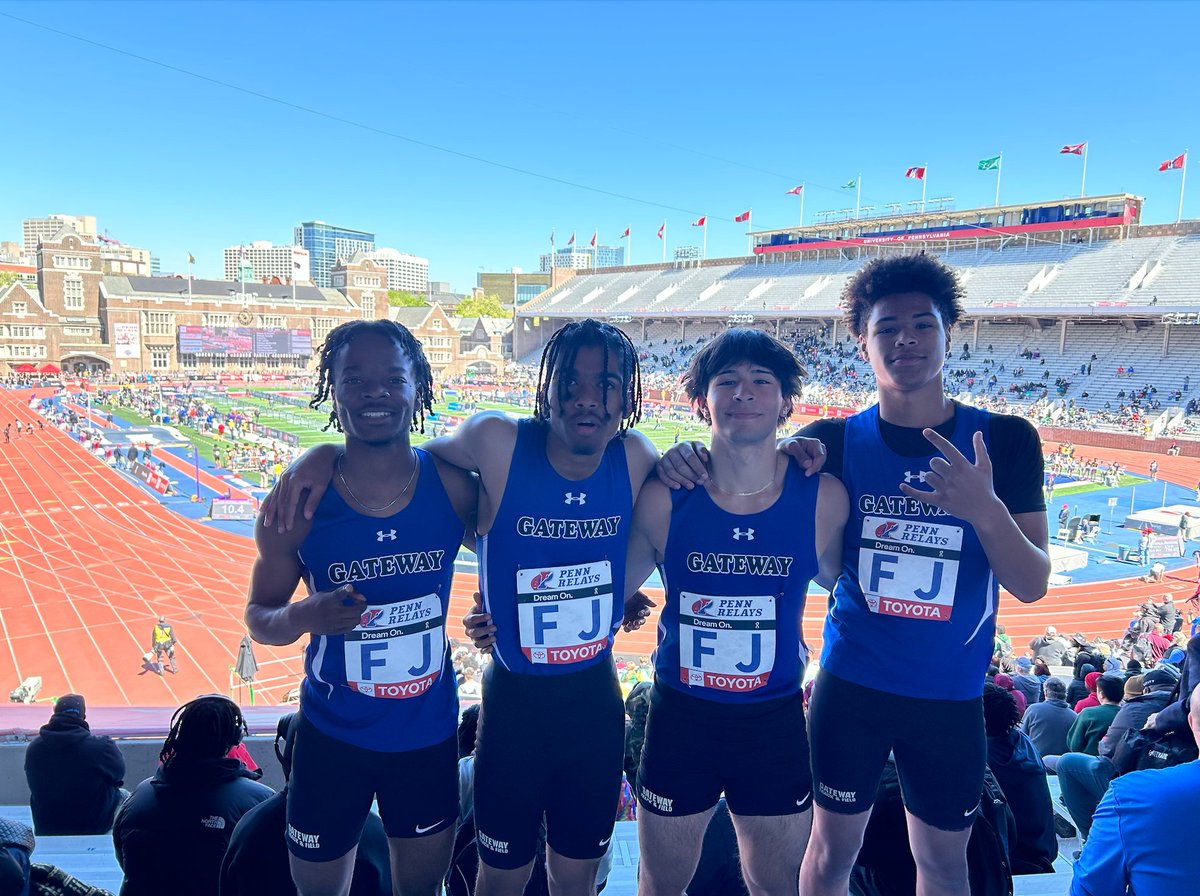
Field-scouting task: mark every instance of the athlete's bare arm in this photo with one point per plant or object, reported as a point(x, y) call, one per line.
point(685, 464)
point(833, 509)
point(647, 542)
point(271, 615)
point(462, 488)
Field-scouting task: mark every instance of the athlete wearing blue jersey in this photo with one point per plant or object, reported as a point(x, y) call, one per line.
point(378, 707)
point(556, 498)
point(736, 558)
point(930, 537)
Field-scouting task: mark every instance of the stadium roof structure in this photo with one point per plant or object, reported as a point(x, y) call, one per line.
point(174, 288)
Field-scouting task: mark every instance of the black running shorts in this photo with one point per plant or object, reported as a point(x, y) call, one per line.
point(552, 745)
point(696, 749)
point(333, 783)
point(939, 747)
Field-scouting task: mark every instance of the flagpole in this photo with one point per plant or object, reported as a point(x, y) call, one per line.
point(802, 205)
point(999, 166)
point(924, 182)
point(629, 246)
point(1182, 183)
point(189, 278)
point(750, 233)
point(1083, 183)
point(704, 251)
point(857, 195)
point(664, 241)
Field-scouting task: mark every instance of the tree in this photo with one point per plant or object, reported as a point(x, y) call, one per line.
point(7, 277)
point(403, 299)
point(481, 306)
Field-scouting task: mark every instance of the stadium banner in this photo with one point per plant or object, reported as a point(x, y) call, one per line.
point(244, 342)
point(125, 340)
point(230, 509)
point(1164, 547)
point(288, 438)
point(152, 478)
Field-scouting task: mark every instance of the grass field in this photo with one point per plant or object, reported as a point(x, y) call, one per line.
point(1080, 488)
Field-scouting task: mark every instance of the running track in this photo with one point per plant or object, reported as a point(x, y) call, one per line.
point(88, 560)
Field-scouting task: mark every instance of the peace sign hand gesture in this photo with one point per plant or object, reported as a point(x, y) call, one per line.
point(955, 485)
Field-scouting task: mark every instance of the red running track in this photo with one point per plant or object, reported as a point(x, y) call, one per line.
point(88, 561)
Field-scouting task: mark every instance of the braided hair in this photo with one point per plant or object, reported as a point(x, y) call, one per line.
point(341, 336)
point(560, 353)
point(204, 728)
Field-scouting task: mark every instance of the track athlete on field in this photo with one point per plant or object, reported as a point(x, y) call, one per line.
point(555, 509)
point(933, 530)
point(736, 557)
point(378, 705)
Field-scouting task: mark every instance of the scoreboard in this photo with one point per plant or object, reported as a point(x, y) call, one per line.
point(245, 342)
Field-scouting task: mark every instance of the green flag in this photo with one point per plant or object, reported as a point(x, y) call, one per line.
point(191, 258)
point(851, 185)
point(989, 164)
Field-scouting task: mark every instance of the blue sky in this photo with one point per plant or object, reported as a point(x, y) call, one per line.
point(681, 108)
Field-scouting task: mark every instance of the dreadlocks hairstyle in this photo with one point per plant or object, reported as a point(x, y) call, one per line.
point(204, 728)
point(341, 336)
point(735, 346)
point(560, 354)
point(882, 277)
point(1000, 713)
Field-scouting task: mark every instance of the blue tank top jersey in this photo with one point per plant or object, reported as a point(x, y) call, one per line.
point(552, 567)
point(915, 587)
point(388, 685)
point(729, 630)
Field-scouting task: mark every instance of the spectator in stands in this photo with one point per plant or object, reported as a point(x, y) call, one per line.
point(1091, 725)
point(256, 862)
point(470, 688)
point(1005, 683)
point(74, 776)
point(1026, 681)
point(1078, 689)
point(1050, 646)
point(1178, 651)
point(1168, 613)
point(1048, 722)
point(1158, 643)
point(20, 875)
point(1089, 681)
point(1143, 830)
point(173, 831)
point(1021, 774)
point(1174, 716)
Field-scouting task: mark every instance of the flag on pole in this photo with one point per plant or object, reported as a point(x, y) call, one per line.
point(571, 241)
point(1173, 164)
point(701, 221)
point(989, 164)
point(1075, 149)
point(795, 191)
point(191, 258)
point(661, 228)
point(915, 173)
point(744, 216)
point(625, 234)
point(593, 242)
point(850, 185)
point(551, 239)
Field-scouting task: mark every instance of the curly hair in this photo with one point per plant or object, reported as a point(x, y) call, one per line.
point(560, 353)
point(883, 277)
point(341, 336)
point(1000, 713)
point(735, 346)
point(204, 728)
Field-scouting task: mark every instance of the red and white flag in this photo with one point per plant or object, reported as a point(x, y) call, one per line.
point(1173, 164)
point(660, 230)
point(744, 216)
point(701, 221)
point(571, 241)
point(795, 191)
point(625, 234)
point(593, 242)
point(915, 173)
point(1075, 149)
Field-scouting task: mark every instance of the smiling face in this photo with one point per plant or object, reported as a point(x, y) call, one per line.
point(744, 403)
point(374, 390)
point(587, 404)
point(905, 343)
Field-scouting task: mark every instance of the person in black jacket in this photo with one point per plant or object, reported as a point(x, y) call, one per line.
point(171, 834)
point(74, 776)
point(1175, 716)
point(256, 861)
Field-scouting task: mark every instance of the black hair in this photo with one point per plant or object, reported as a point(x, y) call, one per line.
point(1111, 686)
point(735, 346)
point(285, 741)
point(468, 730)
point(341, 336)
point(204, 728)
point(560, 352)
point(1000, 714)
point(896, 274)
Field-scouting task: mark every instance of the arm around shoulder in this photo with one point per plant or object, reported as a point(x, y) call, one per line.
point(833, 510)
point(475, 440)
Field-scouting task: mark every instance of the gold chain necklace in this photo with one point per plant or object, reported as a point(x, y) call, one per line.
point(359, 501)
point(757, 491)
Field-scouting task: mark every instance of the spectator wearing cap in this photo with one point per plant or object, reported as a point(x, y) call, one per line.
point(1092, 724)
point(1143, 831)
point(1048, 721)
point(1026, 682)
point(1089, 681)
point(1084, 779)
point(256, 861)
point(1051, 646)
point(1005, 683)
point(74, 776)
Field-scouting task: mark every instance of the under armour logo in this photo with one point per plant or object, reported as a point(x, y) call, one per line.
point(910, 476)
point(390, 534)
point(580, 498)
point(739, 534)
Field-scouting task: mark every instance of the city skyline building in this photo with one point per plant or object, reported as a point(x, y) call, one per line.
point(261, 260)
point(405, 271)
point(34, 230)
point(326, 244)
point(583, 258)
